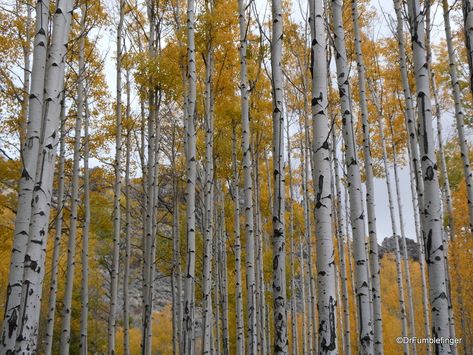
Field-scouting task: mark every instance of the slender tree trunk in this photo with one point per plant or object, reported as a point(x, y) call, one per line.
point(341, 248)
point(84, 315)
point(117, 191)
point(459, 113)
point(400, 280)
point(57, 237)
point(189, 288)
point(326, 276)
point(240, 325)
point(366, 339)
point(222, 245)
point(126, 272)
point(405, 257)
point(209, 200)
point(26, 341)
point(261, 313)
point(71, 246)
point(467, 7)
point(370, 200)
point(294, 332)
point(432, 228)
point(30, 151)
point(247, 191)
point(279, 253)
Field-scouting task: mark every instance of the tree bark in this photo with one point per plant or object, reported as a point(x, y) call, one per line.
point(366, 338)
point(29, 151)
point(34, 261)
point(326, 277)
point(432, 228)
point(279, 253)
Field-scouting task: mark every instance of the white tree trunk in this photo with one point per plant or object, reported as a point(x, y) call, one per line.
point(126, 272)
point(459, 113)
point(341, 248)
point(240, 324)
point(400, 282)
point(189, 288)
point(467, 6)
point(370, 200)
point(278, 238)
point(209, 201)
point(116, 191)
point(432, 228)
point(57, 239)
point(26, 341)
point(247, 190)
point(71, 246)
point(294, 332)
point(326, 277)
point(365, 337)
point(222, 245)
point(30, 151)
point(84, 315)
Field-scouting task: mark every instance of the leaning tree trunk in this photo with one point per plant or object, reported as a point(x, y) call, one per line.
point(240, 325)
point(326, 276)
point(71, 246)
point(41, 203)
point(247, 190)
point(370, 199)
point(57, 238)
point(354, 178)
point(432, 228)
point(84, 314)
point(294, 332)
point(189, 288)
point(279, 253)
point(467, 6)
point(208, 201)
point(30, 151)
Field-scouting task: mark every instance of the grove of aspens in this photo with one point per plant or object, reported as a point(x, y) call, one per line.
point(236, 177)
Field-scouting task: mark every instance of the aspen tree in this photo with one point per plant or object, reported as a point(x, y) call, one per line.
point(189, 287)
point(400, 284)
point(117, 190)
point(240, 325)
point(26, 340)
point(370, 201)
point(459, 113)
point(57, 237)
point(208, 194)
point(294, 332)
point(432, 228)
point(71, 245)
point(279, 254)
point(365, 334)
point(247, 190)
point(467, 7)
point(126, 272)
point(221, 245)
point(29, 153)
point(341, 246)
point(326, 293)
point(84, 315)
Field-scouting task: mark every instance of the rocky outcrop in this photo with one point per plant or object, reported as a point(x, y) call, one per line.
point(389, 246)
